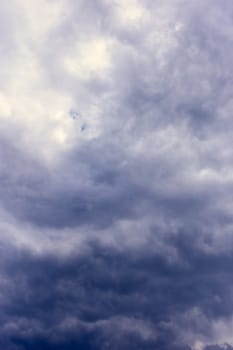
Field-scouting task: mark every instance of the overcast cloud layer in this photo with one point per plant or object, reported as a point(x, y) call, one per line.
point(116, 175)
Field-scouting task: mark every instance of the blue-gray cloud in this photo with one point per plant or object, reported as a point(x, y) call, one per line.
point(116, 175)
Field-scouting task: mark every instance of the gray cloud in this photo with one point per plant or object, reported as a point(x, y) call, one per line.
point(116, 225)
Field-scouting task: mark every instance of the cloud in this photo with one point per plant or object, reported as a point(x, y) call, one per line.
point(116, 174)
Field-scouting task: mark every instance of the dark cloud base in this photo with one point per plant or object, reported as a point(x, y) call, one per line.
point(109, 299)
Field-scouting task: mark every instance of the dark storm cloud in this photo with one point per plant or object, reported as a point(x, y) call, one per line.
point(104, 298)
point(118, 235)
point(112, 193)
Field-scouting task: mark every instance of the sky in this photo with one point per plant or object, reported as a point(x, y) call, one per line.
point(116, 175)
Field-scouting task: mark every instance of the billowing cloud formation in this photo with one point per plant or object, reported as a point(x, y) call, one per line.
point(116, 175)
